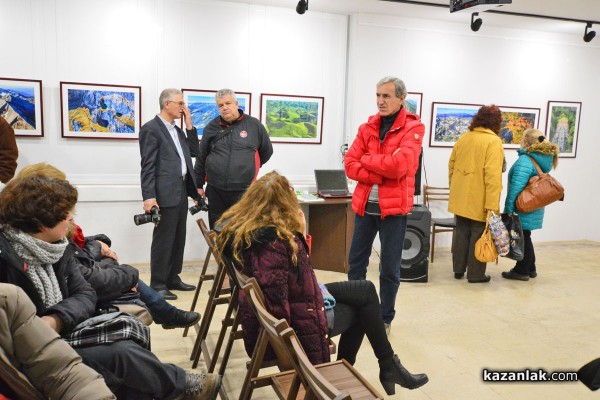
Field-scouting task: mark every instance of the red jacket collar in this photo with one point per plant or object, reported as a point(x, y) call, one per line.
point(374, 122)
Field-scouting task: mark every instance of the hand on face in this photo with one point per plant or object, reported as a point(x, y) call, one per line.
point(106, 251)
point(185, 112)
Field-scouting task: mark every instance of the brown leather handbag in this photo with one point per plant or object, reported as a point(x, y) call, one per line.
point(540, 191)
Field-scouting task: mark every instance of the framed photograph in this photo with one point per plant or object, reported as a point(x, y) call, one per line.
point(292, 119)
point(99, 111)
point(21, 106)
point(449, 121)
point(413, 102)
point(562, 126)
point(203, 107)
point(515, 121)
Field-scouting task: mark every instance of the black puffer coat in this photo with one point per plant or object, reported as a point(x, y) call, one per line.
point(109, 279)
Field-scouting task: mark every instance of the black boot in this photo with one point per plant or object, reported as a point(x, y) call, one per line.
point(391, 373)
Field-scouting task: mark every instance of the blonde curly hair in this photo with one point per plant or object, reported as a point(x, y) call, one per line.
point(268, 202)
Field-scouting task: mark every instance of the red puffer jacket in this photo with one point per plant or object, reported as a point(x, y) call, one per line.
point(391, 165)
point(291, 292)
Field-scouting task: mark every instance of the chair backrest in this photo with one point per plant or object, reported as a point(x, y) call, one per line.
point(432, 193)
point(209, 236)
point(270, 325)
point(312, 379)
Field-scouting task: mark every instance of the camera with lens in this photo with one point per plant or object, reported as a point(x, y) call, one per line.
point(202, 206)
point(153, 216)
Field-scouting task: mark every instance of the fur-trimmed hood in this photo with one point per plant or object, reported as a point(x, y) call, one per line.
point(546, 148)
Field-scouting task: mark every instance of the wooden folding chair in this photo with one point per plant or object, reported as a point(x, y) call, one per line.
point(336, 380)
point(286, 384)
point(204, 276)
point(219, 294)
point(438, 225)
point(347, 378)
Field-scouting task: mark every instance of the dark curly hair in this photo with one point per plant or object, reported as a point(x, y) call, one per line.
point(29, 204)
point(489, 117)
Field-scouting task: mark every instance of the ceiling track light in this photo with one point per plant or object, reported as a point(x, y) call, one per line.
point(588, 35)
point(302, 7)
point(475, 23)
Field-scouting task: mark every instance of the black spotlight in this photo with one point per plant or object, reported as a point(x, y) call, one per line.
point(588, 35)
point(475, 23)
point(302, 7)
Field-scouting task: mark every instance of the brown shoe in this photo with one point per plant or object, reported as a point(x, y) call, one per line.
point(202, 386)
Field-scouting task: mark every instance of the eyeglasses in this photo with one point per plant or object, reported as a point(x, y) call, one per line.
point(179, 103)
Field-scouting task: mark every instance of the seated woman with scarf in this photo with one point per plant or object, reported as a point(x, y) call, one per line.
point(35, 214)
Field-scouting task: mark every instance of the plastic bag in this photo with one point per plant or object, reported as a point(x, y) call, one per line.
point(499, 233)
point(515, 233)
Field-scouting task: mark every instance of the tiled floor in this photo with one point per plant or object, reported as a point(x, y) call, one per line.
point(452, 330)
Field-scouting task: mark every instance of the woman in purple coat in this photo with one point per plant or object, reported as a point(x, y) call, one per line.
point(264, 234)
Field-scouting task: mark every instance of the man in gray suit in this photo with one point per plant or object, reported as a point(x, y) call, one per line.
point(167, 180)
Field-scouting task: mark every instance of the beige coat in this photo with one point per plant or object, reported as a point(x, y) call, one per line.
point(475, 174)
point(32, 353)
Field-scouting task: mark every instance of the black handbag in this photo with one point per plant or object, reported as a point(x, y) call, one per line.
point(515, 233)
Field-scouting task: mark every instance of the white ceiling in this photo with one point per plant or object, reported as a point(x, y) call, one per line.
point(585, 10)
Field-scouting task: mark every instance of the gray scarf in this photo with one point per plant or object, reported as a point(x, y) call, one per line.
point(39, 257)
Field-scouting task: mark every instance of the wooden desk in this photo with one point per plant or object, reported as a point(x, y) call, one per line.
point(331, 224)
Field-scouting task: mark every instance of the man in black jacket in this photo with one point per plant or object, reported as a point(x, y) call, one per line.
point(233, 148)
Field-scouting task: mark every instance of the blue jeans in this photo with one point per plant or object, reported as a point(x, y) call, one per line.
point(160, 310)
point(391, 234)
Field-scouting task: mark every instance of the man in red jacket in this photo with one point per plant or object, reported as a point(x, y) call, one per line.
point(383, 160)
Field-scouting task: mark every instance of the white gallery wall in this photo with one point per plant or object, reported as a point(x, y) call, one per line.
point(208, 45)
point(205, 45)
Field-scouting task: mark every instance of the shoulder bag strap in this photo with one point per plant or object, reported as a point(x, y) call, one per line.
point(535, 164)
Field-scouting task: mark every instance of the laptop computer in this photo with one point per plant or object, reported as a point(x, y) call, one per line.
point(332, 183)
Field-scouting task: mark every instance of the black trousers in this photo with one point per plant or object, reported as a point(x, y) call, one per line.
point(467, 233)
point(168, 243)
point(219, 201)
point(132, 372)
point(357, 313)
point(527, 264)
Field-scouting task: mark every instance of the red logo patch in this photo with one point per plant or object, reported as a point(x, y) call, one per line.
point(243, 134)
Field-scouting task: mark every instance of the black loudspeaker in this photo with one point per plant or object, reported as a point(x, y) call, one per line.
point(415, 254)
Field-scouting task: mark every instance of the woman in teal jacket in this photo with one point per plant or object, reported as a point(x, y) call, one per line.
point(545, 154)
